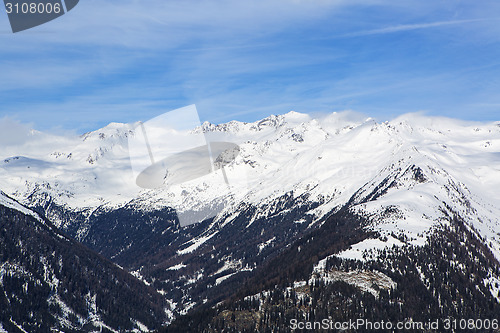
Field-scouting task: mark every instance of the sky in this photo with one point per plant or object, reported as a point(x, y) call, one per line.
point(129, 60)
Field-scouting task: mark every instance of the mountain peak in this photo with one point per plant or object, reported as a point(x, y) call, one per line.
point(115, 130)
point(296, 116)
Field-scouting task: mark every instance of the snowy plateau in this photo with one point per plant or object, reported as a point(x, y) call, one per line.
point(406, 177)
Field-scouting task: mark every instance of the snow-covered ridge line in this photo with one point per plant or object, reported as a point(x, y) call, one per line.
point(401, 172)
point(8, 202)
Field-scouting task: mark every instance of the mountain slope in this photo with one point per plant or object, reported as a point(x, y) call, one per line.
point(449, 277)
point(49, 281)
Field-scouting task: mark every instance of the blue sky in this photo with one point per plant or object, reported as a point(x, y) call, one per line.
point(129, 60)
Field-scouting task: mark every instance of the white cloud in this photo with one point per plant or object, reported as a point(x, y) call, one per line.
point(13, 133)
point(161, 24)
point(407, 27)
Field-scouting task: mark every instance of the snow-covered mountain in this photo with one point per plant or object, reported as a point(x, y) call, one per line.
point(400, 172)
point(406, 177)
